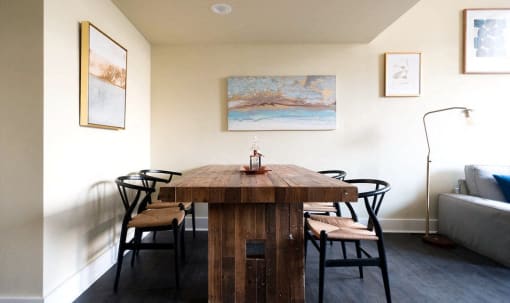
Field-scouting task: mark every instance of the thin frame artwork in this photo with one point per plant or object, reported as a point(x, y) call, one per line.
point(281, 103)
point(103, 75)
point(487, 41)
point(402, 74)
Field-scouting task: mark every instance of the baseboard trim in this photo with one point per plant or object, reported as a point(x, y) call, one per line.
point(72, 288)
point(414, 226)
point(21, 300)
point(81, 281)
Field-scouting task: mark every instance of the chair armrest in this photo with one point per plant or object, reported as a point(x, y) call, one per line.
point(163, 172)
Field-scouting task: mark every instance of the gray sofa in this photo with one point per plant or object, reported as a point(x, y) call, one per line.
point(478, 218)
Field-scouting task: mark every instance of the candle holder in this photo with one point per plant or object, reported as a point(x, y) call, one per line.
point(255, 160)
point(255, 165)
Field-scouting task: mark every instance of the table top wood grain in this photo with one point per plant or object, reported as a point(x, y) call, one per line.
point(283, 184)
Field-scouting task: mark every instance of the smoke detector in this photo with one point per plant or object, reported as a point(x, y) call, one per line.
point(221, 9)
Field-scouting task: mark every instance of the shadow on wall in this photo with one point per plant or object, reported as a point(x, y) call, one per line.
point(88, 229)
point(105, 211)
point(444, 181)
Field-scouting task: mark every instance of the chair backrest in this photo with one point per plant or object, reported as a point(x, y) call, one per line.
point(133, 192)
point(373, 197)
point(161, 175)
point(158, 175)
point(334, 173)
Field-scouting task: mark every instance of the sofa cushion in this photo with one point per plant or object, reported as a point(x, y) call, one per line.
point(504, 185)
point(481, 183)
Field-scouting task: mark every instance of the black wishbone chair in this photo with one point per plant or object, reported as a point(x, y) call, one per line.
point(319, 229)
point(135, 195)
point(165, 176)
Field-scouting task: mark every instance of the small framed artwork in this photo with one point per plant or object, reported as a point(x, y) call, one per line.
point(103, 75)
point(486, 41)
point(402, 73)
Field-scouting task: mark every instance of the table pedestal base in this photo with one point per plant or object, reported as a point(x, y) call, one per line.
point(256, 252)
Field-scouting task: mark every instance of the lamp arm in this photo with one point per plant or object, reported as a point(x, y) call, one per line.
point(437, 111)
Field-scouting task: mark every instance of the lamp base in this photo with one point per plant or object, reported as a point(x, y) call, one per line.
point(438, 240)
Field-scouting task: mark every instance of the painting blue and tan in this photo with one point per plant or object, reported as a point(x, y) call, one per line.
point(282, 103)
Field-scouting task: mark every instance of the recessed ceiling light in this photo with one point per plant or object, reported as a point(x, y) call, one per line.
point(221, 8)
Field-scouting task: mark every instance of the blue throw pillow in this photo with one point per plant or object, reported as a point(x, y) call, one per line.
point(504, 185)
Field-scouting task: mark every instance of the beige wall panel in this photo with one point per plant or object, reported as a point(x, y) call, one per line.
point(82, 207)
point(21, 148)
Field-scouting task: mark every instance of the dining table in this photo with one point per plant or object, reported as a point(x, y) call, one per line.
point(255, 226)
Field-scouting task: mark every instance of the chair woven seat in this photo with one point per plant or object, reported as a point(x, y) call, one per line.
point(354, 231)
point(319, 207)
point(158, 204)
point(156, 217)
point(338, 221)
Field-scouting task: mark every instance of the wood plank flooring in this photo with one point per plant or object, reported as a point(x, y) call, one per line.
point(418, 273)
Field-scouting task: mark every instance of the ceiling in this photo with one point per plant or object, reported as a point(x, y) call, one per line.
point(263, 21)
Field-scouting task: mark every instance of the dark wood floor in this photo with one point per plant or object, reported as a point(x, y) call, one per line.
point(418, 273)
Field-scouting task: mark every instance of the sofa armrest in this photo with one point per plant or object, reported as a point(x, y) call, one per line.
point(479, 224)
point(480, 202)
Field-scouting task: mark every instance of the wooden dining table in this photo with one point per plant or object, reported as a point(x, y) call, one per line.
point(255, 226)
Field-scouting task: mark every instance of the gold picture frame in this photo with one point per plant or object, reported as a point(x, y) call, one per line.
point(103, 76)
point(402, 74)
point(486, 41)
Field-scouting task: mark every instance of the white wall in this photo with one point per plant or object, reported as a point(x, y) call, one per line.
point(376, 137)
point(21, 146)
point(81, 204)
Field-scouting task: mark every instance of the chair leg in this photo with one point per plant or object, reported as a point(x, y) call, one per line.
point(137, 240)
point(176, 252)
point(306, 242)
point(154, 235)
point(120, 257)
point(322, 264)
point(182, 242)
point(344, 251)
point(358, 254)
point(384, 270)
point(193, 219)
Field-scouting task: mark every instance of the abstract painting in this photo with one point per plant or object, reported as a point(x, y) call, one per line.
point(103, 79)
point(486, 41)
point(402, 74)
point(281, 103)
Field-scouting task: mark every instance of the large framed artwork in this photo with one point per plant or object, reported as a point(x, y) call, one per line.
point(486, 41)
point(103, 75)
point(281, 103)
point(402, 74)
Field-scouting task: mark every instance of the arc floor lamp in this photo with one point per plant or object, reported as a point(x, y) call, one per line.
point(436, 239)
